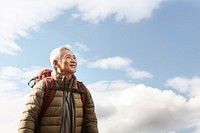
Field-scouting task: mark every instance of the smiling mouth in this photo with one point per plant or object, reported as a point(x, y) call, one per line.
point(72, 65)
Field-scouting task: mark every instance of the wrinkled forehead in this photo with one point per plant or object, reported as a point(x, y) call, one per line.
point(64, 52)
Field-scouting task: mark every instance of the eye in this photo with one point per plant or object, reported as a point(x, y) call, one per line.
point(70, 57)
point(67, 57)
point(74, 57)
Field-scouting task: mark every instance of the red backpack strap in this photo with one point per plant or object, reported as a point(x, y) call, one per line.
point(49, 93)
point(83, 89)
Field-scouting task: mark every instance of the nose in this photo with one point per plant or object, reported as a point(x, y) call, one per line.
point(73, 60)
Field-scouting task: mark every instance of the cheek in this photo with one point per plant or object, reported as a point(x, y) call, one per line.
point(62, 64)
point(65, 63)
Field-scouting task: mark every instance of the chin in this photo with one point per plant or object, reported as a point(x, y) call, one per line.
point(73, 71)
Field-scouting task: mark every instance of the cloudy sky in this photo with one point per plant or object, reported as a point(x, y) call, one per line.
point(139, 58)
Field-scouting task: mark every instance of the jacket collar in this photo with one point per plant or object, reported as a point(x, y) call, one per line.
point(62, 81)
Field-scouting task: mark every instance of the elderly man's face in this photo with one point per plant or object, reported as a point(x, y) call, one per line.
point(67, 63)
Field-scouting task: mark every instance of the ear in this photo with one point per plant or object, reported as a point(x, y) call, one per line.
point(55, 63)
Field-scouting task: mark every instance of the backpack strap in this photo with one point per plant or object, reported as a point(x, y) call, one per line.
point(31, 83)
point(82, 90)
point(49, 93)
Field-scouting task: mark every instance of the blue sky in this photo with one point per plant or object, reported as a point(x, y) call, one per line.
point(138, 58)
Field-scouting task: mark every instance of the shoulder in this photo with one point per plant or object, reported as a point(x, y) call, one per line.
point(40, 86)
point(81, 84)
point(85, 89)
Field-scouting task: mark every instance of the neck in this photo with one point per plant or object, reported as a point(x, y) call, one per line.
point(68, 76)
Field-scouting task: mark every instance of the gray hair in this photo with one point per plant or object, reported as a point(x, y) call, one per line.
point(55, 54)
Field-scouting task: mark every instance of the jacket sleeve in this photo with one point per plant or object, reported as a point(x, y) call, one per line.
point(32, 109)
point(90, 119)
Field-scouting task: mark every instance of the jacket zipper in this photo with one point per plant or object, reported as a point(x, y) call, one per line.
point(63, 106)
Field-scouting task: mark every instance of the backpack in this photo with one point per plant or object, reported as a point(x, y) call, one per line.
point(50, 89)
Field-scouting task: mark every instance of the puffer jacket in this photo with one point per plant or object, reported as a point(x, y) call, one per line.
point(51, 121)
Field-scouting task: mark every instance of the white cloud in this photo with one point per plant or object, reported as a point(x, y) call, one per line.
point(10, 72)
point(135, 74)
point(129, 10)
point(7, 85)
point(120, 63)
point(13, 95)
point(186, 86)
point(11, 78)
point(111, 63)
point(19, 18)
point(128, 106)
point(12, 105)
point(14, 74)
point(198, 127)
point(141, 109)
point(8, 46)
point(82, 47)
